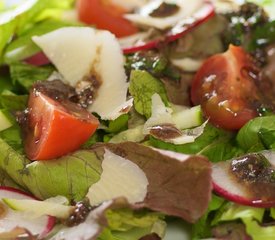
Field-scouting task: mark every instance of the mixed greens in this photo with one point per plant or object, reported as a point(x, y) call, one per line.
point(147, 163)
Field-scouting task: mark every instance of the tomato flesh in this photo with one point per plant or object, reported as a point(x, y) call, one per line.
point(105, 15)
point(226, 88)
point(54, 130)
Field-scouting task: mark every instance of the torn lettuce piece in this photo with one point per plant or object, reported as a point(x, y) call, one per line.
point(13, 102)
point(115, 220)
point(251, 217)
point(16, 20)
point(72, 175)
point(69, 176)
point(251, 135)
point(214, 143)
point(23, 47)
point(161, 196)
point(128, 224)
point(202, 228)
point(26, 75)
point(142, 87)
point(232, 211)
point(12, 136)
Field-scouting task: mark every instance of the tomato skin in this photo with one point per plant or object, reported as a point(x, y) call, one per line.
point(105, 15)
point(225, 86)
point(53, 131)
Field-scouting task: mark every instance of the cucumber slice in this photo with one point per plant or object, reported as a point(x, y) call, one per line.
point(39, 208)
point(5, 119)
point(188, 118)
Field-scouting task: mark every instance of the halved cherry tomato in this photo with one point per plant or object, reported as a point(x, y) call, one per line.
point(55, 129)
point(105, 15)
point(226, 88)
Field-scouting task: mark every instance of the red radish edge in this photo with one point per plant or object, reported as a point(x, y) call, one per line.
point(222, 185)
point(38, 59)
point(240, 199)
point(51, 220)
point(202, 15)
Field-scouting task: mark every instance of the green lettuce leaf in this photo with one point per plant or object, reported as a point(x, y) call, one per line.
point(12, 136)
point(232, 211)
point(142, 86)
point(70, 176)
point(6, 181)
point(5, 83)
point(251, 136)
point(18, 19)
point(126, 224)
point(117, 125)
point(25, 75)
point(13, 102)
point(250, 216)
point(23, 46)
point(216, 144)
point(125, 219)
point(259, 232)
point(108, 221)
point(202, 228)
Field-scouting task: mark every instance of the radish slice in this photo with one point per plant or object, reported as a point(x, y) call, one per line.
point(179, 30)
point(256, 185)
point(39, 59)
point(9, 219)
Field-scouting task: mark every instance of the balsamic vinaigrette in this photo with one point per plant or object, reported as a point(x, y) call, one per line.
point(257, 176)
point(165, 10)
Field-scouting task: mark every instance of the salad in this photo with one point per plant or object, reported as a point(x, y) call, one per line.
point(138, 119)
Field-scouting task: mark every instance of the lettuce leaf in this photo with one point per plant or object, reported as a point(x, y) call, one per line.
point(250, 216)
point(214, 143)
point(107, 221)
point(142, 86)
point(258, 232)
point(251, 136)
point(12, 136)
point(25, 75)
point(23, 46)
point(126, 224)
point(268, 5)
point(164, 171)
point(70, 176)
point(202, 228)
point(13, 102)
point(232, 211)
point(5, 83)
point(18, 19)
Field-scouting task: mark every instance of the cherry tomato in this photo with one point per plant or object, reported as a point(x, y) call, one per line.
point(55, 129)
point(225, 86)
point(105, 15)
